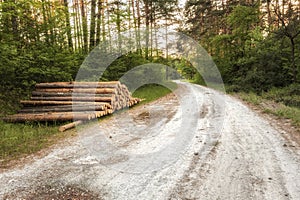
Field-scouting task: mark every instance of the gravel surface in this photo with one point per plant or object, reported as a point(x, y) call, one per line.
point(194, 144)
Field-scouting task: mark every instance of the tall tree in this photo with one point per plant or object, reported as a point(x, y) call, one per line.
point(147, 22)
point(93, 24)
point(99, 18)
point(84, 26)
point(68, 26)
point(138, 11)
point(290, 28)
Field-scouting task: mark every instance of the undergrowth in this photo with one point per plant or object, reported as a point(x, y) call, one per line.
point(283, 103)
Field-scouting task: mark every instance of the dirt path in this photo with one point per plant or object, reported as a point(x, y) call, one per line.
point(199, 144)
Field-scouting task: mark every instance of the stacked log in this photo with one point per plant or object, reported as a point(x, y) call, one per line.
point(81, 101)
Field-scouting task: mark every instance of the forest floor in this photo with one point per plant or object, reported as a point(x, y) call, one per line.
point(194, 144)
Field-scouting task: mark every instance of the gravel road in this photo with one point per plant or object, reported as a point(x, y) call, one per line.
point(194, 144)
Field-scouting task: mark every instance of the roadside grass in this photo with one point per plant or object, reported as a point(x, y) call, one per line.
point(18, 140)
point(289, 96)
point(251, 98)
point(151, 92)
point(273, 105)
point(22, 139)
point(286, 112)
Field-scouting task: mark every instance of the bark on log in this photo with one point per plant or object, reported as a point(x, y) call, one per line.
point(111, 84)
point(63, 108)
point(64, 101)
point(78, 90)
point(75, 98)
point(61, 116)
point(29, 102)
point(67, 94)
point(70, 125)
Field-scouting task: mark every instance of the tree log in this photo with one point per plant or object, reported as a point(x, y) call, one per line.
point(62, 108)
point(111, 84)
point(75, 98)
point(70, 125)
point(78, 90)
point(64, 101)
point(67, 94)
point(29, 102)
point(61, 116)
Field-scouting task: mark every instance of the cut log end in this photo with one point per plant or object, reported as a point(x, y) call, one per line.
point(70, 126)
point(78, 101)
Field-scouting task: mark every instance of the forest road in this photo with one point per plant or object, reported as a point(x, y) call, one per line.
point(194, 144)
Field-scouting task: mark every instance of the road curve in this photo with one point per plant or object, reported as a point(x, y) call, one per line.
point(194, 144)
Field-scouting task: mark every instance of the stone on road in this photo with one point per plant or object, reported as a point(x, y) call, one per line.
point(194, 144)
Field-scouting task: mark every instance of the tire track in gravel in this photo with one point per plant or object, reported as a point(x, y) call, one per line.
point(231, 153)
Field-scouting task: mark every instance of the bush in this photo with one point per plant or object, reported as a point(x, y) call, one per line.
point(289, 95)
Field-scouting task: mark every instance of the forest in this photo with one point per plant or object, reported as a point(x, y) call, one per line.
point(254, 43)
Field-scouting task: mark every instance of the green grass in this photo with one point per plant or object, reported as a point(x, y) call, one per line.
point(289, 95)
point(152, 92)
point(288, 113)
point(17, 140)
point(274, 107)
point(250, 97)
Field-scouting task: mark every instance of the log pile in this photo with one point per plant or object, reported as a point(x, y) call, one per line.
point(78, 101)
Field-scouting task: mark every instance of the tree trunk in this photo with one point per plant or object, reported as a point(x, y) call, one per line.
point(108, 84)
point(79, 30)
point(84, 27)
point(45, 20)
point(75, 22)
point(147, 13)
point(167, 49)
point(99, 15)
point(75, 99)
point(66, 94)
point(79, 90)
point(277, 8)
point(139, 26)
point(109, 30)
point(118, 23)
point(50, 24)
point(70, 125)
point(103, 20)
point(129, 23)
point(68, 26)
point(60, 116)
point(152, 11)
point(294, 67)
point(62, 108)
point(93, 24)
point(28, 102)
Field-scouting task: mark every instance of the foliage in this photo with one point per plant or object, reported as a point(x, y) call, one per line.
point(289, 95)
point(251, 98)
point(123, 64)
point(254, 51)
point(46, 41)
point(28, 53)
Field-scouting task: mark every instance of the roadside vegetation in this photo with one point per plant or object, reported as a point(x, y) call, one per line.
point(19, 140)
point(257, 52)
point(152, 92)
point(281, 102)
